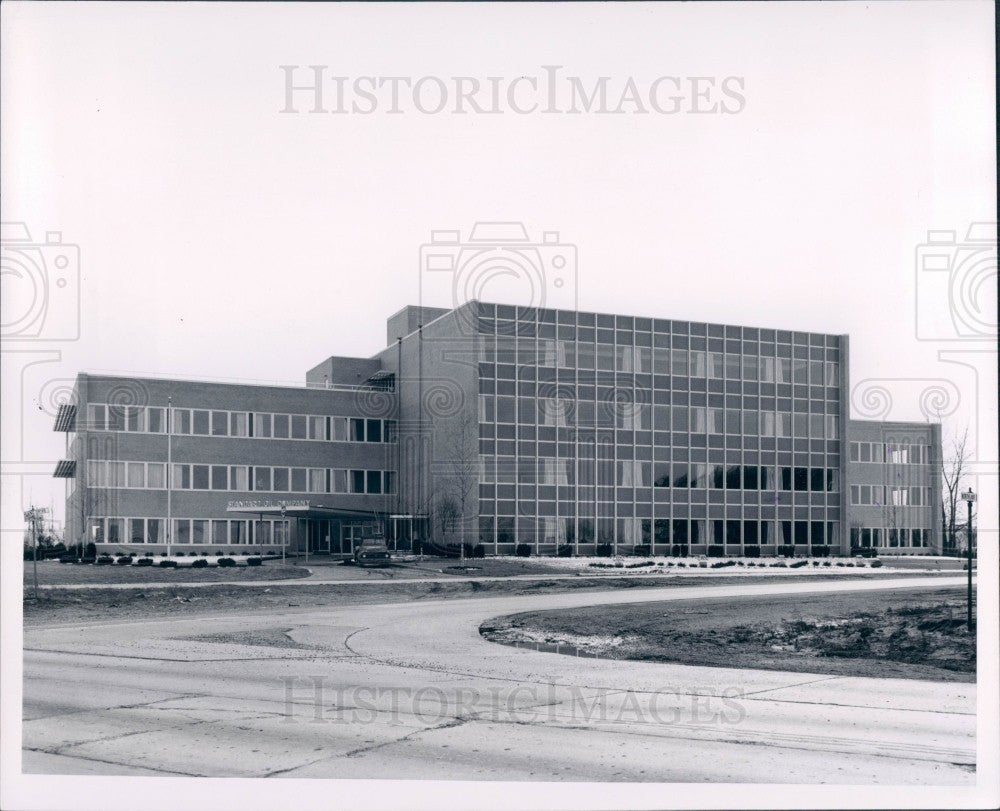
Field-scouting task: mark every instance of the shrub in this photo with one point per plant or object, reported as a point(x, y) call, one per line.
point(126, 561)
point(70, 558)
point(751, 551)
point(479, 551)
point(641, 550)
point(826, 563)
point(105, 560)
point(751, 563)
point(875, 564)
point(168, 564)
point(564, 550)
point(604, 550)
point(201, 563)
point(254, 561)
point(680, 564)
point(716, 550)
point(786, 550)
point(779, 565)
point(523, 550)
point(225, 563)
point(144, 561)
point(203, 554)
point(702, 564)
point(90, 551)
point(798, 564)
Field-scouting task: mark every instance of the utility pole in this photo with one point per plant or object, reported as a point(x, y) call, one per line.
point(969, 498)
point(170, 469)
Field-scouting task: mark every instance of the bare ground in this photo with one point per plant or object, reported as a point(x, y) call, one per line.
point(895, 634)
point(54, 573)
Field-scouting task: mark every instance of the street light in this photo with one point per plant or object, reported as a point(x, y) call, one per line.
point(969, 498)
point(284, 540)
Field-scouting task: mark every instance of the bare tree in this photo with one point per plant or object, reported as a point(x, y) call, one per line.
point(460, 470)
point(953, 469)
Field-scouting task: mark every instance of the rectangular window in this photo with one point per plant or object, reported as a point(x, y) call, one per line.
point(262, 478)
point(783, 370)
point(116, 417)
point(750, 477)
point(733, 477)
point(679, 362)
point(199, 422)
point(832, 374)
point(280, 426)
point(317, 428)
point(136, 530)
point(238, 423)
point(801, 533)
point(733, 367)
point(389, 430)
point(801, 425)
point(220, 477)
point(199, 477)
point(154, 420)
point(182, 421)
point(262, 426)
point(855, 451)
point(767, 478)
point(182, 531)
point(299, 480)
point(317, 480)
point(357, 481)
point(155, 475)
point(339, 426)
point(220, 423)
point(136, 474)
point(699, 475)
point(767, 423)
point(801, 479)
point(297, 427)
point(220, 533)
point(390, 482)
point(715, 367)
point(199, 530)
point(374, 431)
point(750, 368)
point(817, 479)
point(338, 481)
point(783, 425)
point(97, 417)
point(786, 478)
point(751, 426)
point(134, 419)
point(767, 370)
point(718, 477)
point(181, 477)
point(239, 478)
point(237, 532)
point(816, 426)
point(154, 530)
point(374, 481)
point(280, 479)
point(832, 480)
point(800, 371)
point(357, 430)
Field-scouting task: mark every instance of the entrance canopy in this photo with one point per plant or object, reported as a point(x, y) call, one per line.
point(295, 508)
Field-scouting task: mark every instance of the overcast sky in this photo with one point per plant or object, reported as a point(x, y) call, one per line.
point(219, 237)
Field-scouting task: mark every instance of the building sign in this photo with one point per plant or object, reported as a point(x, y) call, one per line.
point(266, 506)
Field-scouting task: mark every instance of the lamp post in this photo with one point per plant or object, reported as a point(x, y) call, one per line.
point(284, 540)
point(969, 498)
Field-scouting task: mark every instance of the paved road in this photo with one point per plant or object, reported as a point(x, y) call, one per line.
point(411, 690)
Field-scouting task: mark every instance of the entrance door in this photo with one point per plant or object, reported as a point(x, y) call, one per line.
point(319, 536)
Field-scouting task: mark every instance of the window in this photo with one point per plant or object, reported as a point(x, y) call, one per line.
point(262, 425)
point(389, 431)
point(297, 427)
point(182, 421)
point(718, 477)
point(357, 481)
point(239, 478)
point(733, 477)
point(733, 367)
point(715, 370)
point(339, 427)
point(855, 451)
point(238, 532)
point(390, 482)
point(199, 422)
point(750, 368)
point(135, 418)
point(317, 427)
point(220, 533)
point(220, 423)
point(299, 480)
point(220, 477)
point(357, 430)
point(680, 362)
point(116, 417)
point(801, 479)
point(338, 481)
point(155, 476)
point(783, 425)
point(786, 478)
point(199, 530)
point(374, 481)
point(182, 477)
point(832, 374)
point(238, 424)
point(136, 530)
point(783, 370)
point(199, 477)
point(280, 426)
point(750, 477)
point(374, 431)
point(832, 480)
point(801, 425)
point(154, 420)
point(182, 531)
point(766, 478)
point(97, 416)
point(317, 480)
point(261, 478)
point(817, 479)
point(280, 479)
point(136, 474)
point(154, 530)
point(767, 370)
